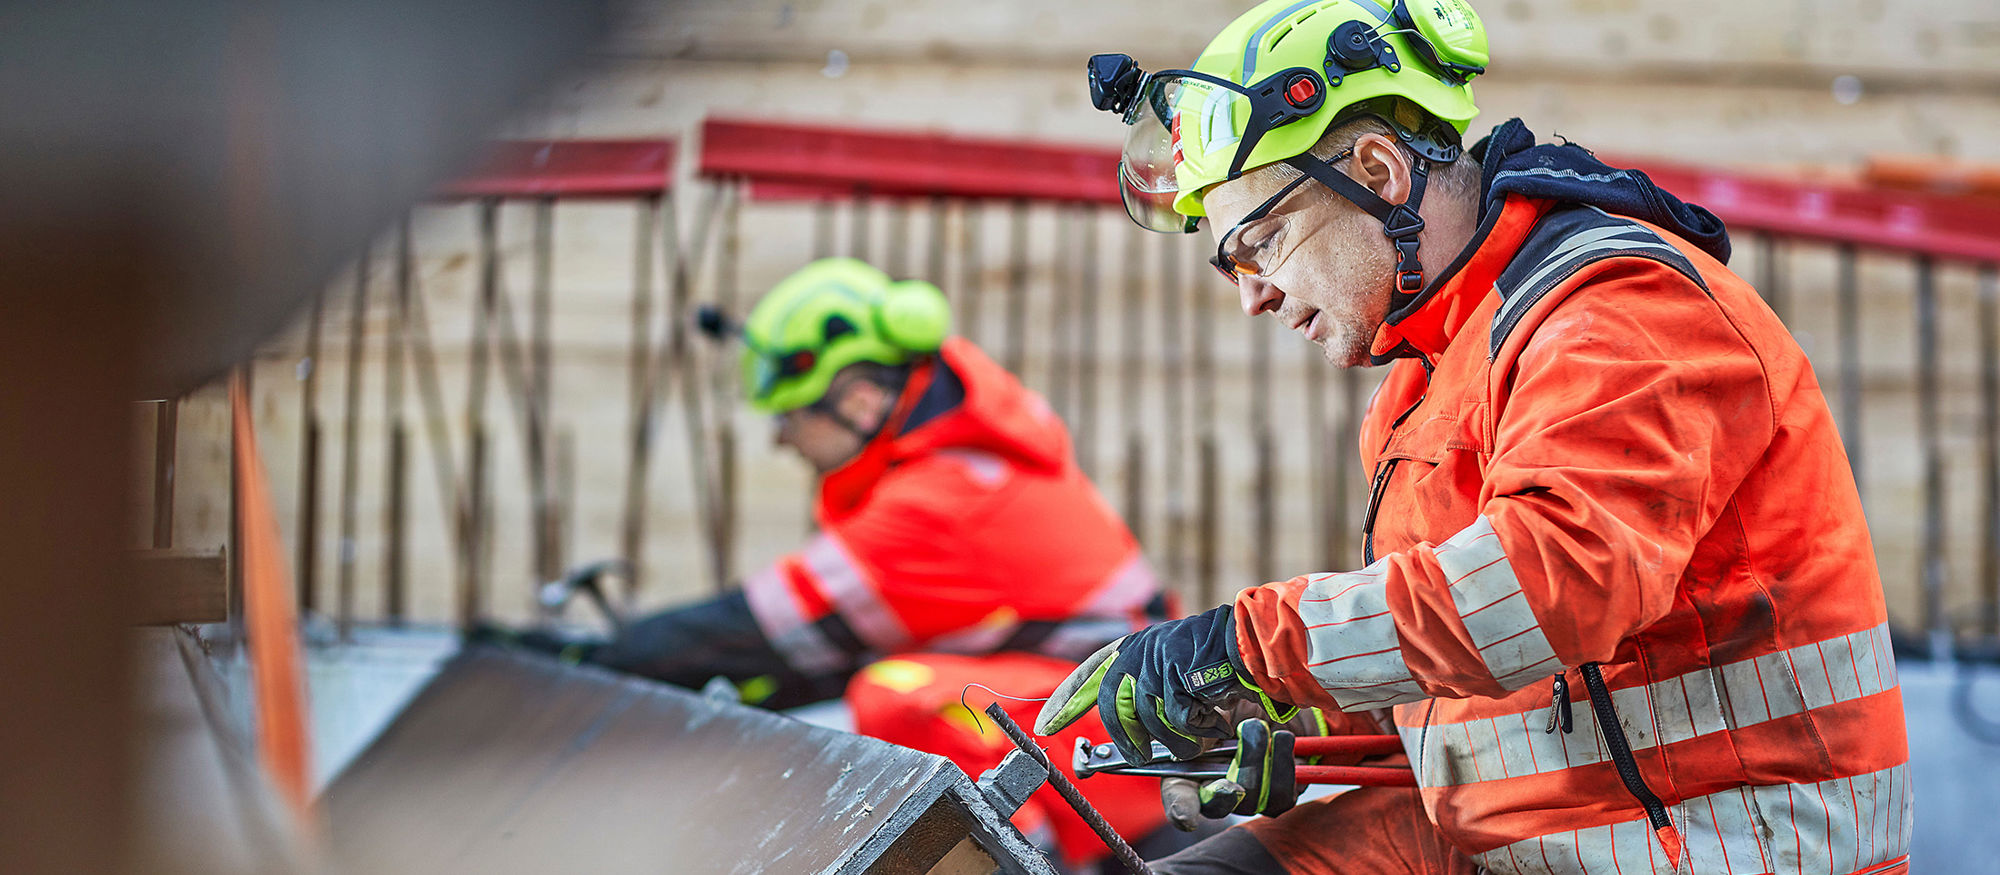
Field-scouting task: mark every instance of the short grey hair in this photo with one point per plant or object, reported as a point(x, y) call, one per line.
point(1452, 179)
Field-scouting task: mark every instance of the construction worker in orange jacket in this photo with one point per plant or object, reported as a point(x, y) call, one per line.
point(1619, 597)
point(956, 533)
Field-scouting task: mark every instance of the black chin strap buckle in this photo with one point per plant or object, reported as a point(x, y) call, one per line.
point(1402, 226)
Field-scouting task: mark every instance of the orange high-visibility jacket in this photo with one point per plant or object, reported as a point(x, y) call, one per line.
point(1605, 466)
point(970, 530)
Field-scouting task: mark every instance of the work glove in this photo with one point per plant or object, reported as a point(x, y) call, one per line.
point(1177, 683)
point(1262, 779)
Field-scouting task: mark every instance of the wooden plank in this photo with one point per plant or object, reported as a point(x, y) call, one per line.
point(179, 586)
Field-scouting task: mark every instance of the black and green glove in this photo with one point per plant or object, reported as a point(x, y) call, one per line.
point(1262, 779)
point(1176, 683)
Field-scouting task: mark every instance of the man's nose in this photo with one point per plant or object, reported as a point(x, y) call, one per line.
point(1259, 295)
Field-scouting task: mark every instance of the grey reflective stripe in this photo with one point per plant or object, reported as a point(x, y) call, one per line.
point(853, 595)
point(1352, 648)
point(1564, 173)
point(1579, 246)
point(1567, 239)
point(1113, 610)
point(1490, 603)
point(1257, 36)
point(1831, 827)
point(795, 638)
point(1701, 702)
point(986, 469)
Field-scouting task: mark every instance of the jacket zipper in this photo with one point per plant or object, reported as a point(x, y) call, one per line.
point(1621, 756)
point(1386, 467)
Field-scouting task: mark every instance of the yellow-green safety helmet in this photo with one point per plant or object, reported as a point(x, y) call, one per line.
point(1270, 84)
point(830, 314)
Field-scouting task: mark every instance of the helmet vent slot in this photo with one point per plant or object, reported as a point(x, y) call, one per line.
point(1278, 34)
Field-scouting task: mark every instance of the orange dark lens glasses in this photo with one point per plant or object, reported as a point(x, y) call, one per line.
point(1234, 269)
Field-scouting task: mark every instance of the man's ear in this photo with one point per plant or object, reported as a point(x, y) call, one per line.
point(864, 403)
point(1383, 166)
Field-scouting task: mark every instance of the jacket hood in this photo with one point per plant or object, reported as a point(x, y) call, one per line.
point(1512, 163)
point(1516, 170)
point(967, 403)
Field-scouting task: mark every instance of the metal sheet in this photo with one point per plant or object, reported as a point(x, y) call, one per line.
point(510, 763)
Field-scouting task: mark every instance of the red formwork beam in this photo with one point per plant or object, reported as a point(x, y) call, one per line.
point(568, 169)
point(811, 162)
point(1914, 223)
point(792, 162)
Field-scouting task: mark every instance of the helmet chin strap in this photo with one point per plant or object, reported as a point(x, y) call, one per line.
point(1400, 222)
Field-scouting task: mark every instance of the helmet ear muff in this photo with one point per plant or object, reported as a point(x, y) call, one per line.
point(914, 315)
point(1446, 34)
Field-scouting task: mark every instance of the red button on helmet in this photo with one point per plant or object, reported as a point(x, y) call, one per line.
point(1302, 91)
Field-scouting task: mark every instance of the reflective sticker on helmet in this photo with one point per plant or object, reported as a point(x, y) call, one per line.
point(1218, 121)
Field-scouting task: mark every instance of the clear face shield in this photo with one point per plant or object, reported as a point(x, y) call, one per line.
point(1178, 118)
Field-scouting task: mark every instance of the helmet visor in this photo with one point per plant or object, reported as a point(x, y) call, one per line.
point(1180, 120)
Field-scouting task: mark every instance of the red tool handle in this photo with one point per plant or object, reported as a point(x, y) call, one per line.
point(1366, 776)
point(1330, 745)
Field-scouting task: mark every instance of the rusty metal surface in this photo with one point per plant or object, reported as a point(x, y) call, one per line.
point(510, 763)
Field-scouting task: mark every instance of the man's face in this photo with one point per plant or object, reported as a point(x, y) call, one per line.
point(819, 435)
point(1328, 277)
point(821, 440)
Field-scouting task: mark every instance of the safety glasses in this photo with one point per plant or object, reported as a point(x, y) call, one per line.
point(1249, 246)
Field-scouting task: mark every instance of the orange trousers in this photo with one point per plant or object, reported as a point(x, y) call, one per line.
point(914, 700)
point(1367, 831)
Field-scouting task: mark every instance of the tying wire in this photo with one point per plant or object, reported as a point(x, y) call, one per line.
point(976, 724)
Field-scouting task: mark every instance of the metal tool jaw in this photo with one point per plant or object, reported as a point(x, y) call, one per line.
point(1104, 758)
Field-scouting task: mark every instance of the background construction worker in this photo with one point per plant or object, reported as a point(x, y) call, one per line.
point(1619, 591)
point(956, 532)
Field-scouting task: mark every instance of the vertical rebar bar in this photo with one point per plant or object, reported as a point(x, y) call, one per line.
point(1062, 323)
point(471, 514)
point(1848, 307)
point(1208, 459)
point(726, 293)
point(1131, 386)
point(541, 376)
point(967, 300)
point(632, 527)
point(244, 374)
point(1088, 290)
point(857, 225)
point(437, 418)
point(1989, 449)
point(896, 262)
point(166, 434)
point(823, 222)
point(1931, 568)
point(309, 442)
point(396, 488)
point(1017, 287)
point(1770, 274)
point(1173, 346)
point(939, 214)
point(350, 446)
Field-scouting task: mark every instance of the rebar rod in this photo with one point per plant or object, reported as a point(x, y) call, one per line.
point(1067, 790)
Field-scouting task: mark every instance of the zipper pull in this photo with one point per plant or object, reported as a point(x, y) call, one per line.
point(1559, 711)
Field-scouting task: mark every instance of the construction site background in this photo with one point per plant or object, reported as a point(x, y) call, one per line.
point(1800, 88)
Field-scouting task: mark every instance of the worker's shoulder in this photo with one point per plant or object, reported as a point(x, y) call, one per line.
point(1564, 244)
point(947, 476)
